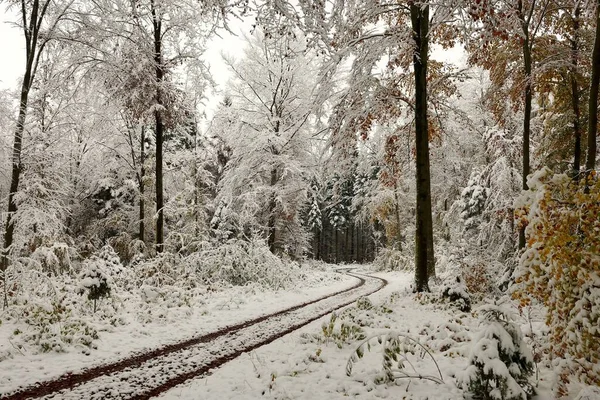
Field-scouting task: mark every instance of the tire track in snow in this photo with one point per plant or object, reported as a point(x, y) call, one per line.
point(149, 374)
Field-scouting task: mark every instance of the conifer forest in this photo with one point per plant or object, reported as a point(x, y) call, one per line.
point(299, 199)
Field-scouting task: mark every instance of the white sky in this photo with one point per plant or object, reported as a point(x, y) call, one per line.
point(12, 47)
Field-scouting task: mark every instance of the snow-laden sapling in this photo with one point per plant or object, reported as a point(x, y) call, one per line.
point(94, 281)
point(500, 362)
point(111, 259)
point(458, 295)
point(122, 278)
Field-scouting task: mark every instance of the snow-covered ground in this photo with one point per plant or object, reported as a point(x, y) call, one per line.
point(307, 365)
point(19, 367)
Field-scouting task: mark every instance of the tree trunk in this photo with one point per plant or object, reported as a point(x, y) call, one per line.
point(361, 244)
point(352, 245)
point(346, 245)
point(424, 262)
point(158, 65)
point(593, 102)
point(142, 216)
point(359, 233)
point(322, 235)
point(15, 177)
point(196, 184)
point(317, 244)
point(272, 218)
point(336, 246)
point(575, 94)
point(398, 220)
point(526, 119)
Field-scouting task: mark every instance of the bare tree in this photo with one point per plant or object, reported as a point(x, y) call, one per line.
point(39, 21)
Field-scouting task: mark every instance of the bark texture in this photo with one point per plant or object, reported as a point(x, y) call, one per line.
point(424, 261)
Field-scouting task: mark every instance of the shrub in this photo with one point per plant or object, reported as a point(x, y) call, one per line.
point(477, 279)
point(122, 277)
point(338, 331)
point(55, 259)
point(52, 327)
point(391, 260)
point(458, 295)
point(500, 362)
point(561, 268)
point(241, 262)
point(94, 281)
point(111, 259)
point(158, 271)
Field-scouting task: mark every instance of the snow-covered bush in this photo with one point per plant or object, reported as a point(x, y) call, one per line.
point(165, 282)
point(166, 269)
point(113, 198)
point(241, 262)
point(478, 278)
point(112, 262)
point(477, 275)
point(348, 326)
point(500, 362)
point(41, 201)
point(94, 281)
point(136, 248)
point(448, 337)
point(126, 247)
point(123, 277)
point(481, 220)
point(391, 260)
point(52, 327)
point(561, 269)
point(44, 317)
point(340, 333)
point(167, 304)
point(458, 295)
point(54, 259)
point(473, 201)
point(45, 312)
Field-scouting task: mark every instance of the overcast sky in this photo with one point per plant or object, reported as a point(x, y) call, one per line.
point(12, 49)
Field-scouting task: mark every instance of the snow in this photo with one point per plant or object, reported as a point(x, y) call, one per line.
point(220, 309)
point(305, 364)
point(292, 368)
point(589, 393)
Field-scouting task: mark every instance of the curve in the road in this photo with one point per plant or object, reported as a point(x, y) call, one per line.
point(71, 380)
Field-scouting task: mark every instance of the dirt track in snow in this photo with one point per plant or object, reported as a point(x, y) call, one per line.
point(148, 374)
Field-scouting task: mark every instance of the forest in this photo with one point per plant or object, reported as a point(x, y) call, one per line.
point(449, 147)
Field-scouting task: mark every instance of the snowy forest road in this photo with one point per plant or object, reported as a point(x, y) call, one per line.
point(149, 374)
